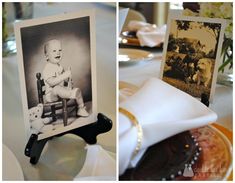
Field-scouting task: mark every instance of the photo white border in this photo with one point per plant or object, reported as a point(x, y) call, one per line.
point(177, 16)
point(52, 19)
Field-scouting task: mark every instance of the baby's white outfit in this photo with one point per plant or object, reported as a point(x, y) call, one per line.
point(53, 92)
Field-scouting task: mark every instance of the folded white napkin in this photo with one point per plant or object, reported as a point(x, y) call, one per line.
point(162, 111)
point(148, 34)
point(134, 25)
point(99, 165)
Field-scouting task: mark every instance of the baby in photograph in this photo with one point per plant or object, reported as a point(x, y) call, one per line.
point(55, 76)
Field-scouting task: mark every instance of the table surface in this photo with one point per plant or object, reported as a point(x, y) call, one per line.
point(13, 170)
point(63, 157)
point(138, 73)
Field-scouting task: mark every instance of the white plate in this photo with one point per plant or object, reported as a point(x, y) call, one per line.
point(133, 55)
point(11, 167)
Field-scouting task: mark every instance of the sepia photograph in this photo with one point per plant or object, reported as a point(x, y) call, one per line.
point(191, 54)
point(57, 67)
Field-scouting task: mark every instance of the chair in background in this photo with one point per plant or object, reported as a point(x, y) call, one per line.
point(53, 106)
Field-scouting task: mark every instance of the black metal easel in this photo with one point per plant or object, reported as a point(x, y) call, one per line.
point(88, 132)
point(205, 99)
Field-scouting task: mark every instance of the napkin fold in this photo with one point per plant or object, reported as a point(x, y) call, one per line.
point(148, 34)
point(98, 165)
point(163, 111)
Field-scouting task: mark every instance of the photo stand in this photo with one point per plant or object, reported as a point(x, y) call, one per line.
point(88, 132)
point(205, 99)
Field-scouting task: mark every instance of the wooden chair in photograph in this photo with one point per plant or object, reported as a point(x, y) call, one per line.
point(53, 106)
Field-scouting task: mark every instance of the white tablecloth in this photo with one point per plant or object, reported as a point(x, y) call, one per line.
point(138, 73)
point(62, 158)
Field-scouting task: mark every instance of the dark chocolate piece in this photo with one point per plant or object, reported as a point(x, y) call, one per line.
point(166, 160)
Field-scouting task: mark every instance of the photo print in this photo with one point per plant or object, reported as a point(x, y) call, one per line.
point(191, 54)
point(56, 57)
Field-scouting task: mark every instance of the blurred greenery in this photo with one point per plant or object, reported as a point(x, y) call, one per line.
point(227, 54)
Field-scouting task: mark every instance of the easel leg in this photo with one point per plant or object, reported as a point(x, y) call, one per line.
point(34, 148)
point(88, 133)
point(205, 99)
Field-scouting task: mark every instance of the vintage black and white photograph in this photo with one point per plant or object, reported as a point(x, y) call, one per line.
point(57, 66)
point(191, 54)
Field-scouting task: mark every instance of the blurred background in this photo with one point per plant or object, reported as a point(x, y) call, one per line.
point(155, 13)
